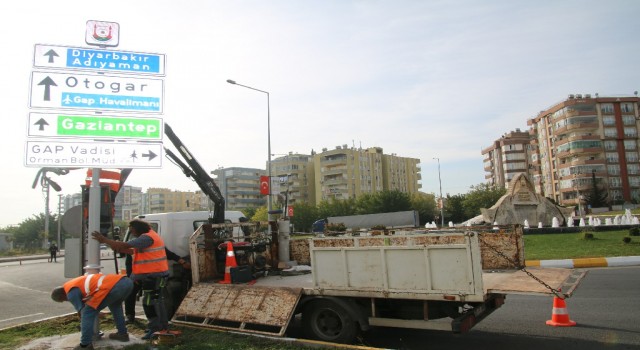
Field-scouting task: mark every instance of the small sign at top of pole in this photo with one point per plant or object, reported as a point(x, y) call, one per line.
point(104, 34)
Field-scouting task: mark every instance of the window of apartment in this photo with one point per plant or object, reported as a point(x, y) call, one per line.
point(608, 120)
point(626, 107)
point(615, 181)
point(582, 107)
point(610, 145)
point(613, 169)
point(606, 107)
point(628, 119)
point(514, 166)
point(610, 132)
point(631, 156)
point(629, 144)
point(612, 157)
point(634, 181)
point(633, 168)
point(630, 131)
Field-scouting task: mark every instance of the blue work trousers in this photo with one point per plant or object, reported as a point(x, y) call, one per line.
point(113, 301)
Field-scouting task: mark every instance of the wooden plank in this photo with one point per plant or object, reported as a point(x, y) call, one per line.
point(254, 309)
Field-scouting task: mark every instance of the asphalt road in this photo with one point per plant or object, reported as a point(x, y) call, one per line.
point(25, 290)
point(605, 307)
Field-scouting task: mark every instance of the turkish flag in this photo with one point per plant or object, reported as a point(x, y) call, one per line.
point(264, 185)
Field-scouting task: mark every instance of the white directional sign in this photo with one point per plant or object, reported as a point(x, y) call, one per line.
point(95, 126)
point(96, 92)
point(93, 155)
point(64, 57)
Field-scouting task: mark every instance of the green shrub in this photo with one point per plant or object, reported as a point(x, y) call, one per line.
point(626, 240)
point(587, 235)
point(336, 227)
point(379, 227)
point(635, 231)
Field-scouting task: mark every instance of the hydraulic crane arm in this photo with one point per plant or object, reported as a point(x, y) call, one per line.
point(193, 170)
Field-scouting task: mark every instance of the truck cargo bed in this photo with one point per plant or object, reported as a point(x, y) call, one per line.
point(494, 282)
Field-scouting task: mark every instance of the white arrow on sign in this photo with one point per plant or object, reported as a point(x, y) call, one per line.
point(93, 154)
point(96, 92)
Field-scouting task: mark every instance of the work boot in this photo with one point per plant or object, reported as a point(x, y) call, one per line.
point(119, 336)
point(86, 347)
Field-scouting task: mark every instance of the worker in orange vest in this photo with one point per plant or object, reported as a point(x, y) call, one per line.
point(150, 269)
point(91, 293)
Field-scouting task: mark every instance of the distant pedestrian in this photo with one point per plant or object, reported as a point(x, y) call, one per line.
point(53, 252)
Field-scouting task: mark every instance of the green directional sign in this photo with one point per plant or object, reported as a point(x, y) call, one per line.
point(98, 126)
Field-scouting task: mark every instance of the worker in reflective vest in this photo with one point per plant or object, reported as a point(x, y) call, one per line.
point(150, 270)
point(91, 293)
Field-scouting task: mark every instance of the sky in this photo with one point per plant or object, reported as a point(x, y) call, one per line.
point(421, 79)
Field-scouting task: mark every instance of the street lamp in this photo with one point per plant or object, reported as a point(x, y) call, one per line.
point(441, 200)
point(268, 145)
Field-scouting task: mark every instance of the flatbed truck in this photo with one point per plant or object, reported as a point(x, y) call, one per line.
point(410, 279)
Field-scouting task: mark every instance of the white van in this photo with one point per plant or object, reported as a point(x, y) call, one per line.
point(176, 228)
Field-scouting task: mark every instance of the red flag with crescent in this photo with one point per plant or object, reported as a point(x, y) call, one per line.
point(264, 185)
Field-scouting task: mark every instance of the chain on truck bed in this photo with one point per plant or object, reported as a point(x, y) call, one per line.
point(558, 293)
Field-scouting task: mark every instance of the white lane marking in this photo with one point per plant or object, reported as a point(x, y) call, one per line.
point(15, 318)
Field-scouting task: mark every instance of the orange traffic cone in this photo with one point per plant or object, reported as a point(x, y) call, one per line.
point(231, 262)
point(559, 314)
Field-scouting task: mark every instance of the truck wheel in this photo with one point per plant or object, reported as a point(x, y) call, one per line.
point(327, 321)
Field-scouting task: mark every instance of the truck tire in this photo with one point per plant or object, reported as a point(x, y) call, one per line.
point(326, 320)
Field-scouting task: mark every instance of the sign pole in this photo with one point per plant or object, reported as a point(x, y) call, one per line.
point(92, 247)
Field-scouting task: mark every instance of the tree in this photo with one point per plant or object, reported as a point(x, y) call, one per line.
point(249, 212)
point(596, 197)
point(425, 205)
point(30, 233)
point(336, 207)
point(481, 196)
point(454, 208)
point(383, 202)
point(260, 214)
point(304, 215)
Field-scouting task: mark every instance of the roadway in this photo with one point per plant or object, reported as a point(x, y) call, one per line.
point(605, 307)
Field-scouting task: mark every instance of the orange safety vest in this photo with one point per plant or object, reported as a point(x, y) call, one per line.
point(151, 259)
point(94, 287)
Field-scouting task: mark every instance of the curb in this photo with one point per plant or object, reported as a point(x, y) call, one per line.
point(586, 262)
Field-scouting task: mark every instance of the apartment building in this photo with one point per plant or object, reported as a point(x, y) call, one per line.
point(574, 141)
point(507, 156)
point(161, 200)
point(296, 177)
point(129, 203)
point(400, 174)
point(240, 187)
point(345, 172)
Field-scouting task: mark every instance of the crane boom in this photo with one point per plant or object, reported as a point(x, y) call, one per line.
point(194, 170)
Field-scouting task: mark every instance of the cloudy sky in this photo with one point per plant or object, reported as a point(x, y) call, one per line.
point(421, 79)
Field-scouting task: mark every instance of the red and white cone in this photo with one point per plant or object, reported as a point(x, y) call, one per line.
point(559, 314)
point(229, 263)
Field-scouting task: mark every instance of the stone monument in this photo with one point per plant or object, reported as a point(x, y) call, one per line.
point(521, 203)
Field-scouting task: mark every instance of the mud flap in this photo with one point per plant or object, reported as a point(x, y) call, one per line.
point(243, 308)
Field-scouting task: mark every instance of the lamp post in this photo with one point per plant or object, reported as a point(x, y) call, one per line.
point(441, 201)
point(268, 145)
